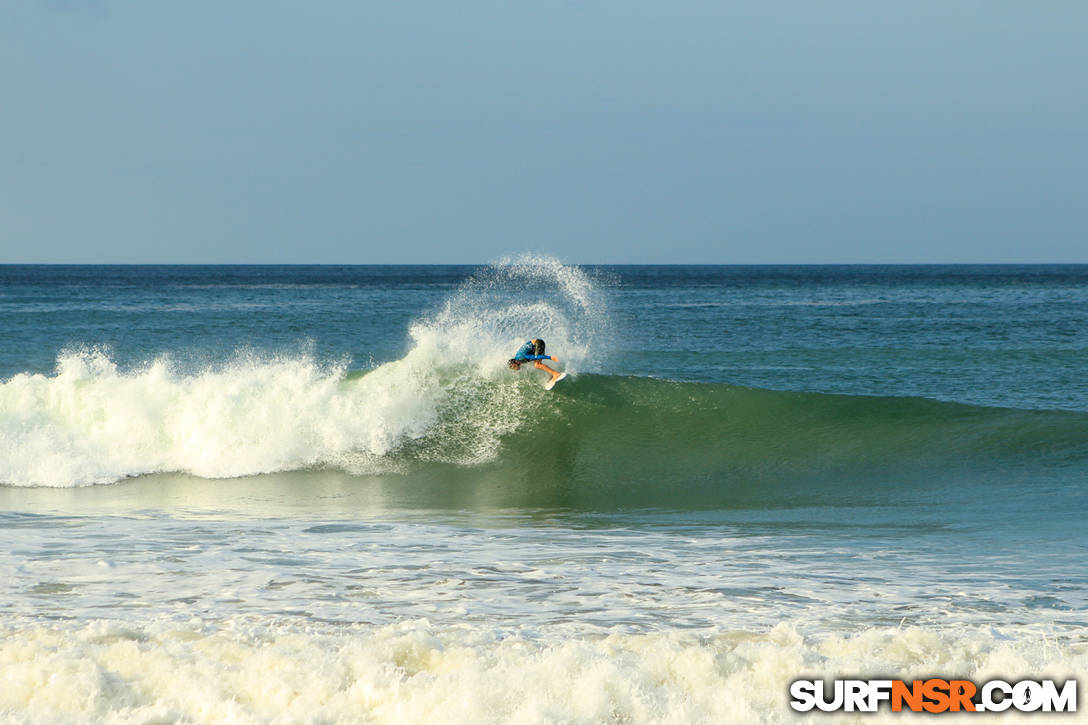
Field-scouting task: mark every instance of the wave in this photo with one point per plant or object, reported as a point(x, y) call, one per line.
point(450, 409)
point(93, 423)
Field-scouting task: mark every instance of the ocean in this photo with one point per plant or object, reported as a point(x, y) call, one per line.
point(257, 494)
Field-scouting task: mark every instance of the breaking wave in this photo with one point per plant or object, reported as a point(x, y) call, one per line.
point(451, 402)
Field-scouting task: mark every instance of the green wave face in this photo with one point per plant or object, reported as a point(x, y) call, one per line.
point(605, 442)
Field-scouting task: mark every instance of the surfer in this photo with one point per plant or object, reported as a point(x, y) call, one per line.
point(533, 351)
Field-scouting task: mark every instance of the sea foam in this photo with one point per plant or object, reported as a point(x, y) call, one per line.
point(414, 672)
point(98, 421)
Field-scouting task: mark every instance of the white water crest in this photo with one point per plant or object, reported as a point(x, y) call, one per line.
point(94, 421)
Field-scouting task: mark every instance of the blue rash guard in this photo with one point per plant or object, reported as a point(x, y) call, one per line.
point(526, 353)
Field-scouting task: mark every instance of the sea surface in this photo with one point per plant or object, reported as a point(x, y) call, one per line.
point(256, 494)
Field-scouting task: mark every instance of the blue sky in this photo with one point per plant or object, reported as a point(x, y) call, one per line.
point(597, 131)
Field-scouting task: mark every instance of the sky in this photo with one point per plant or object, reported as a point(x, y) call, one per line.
point(597, 131)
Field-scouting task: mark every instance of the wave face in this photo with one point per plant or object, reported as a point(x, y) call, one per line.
point(662, 443)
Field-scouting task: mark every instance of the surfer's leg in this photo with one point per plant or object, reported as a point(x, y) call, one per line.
point(542, 366)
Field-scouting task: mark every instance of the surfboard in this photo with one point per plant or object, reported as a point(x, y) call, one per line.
point(551, 383)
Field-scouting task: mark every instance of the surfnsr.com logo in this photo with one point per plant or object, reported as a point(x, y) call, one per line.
point(934, 695)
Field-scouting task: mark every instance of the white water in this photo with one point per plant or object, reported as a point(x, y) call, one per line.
point(142, 617)
point(243, 671)
point(95, 422)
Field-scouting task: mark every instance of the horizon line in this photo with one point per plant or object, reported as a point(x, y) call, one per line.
point(579, 264)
